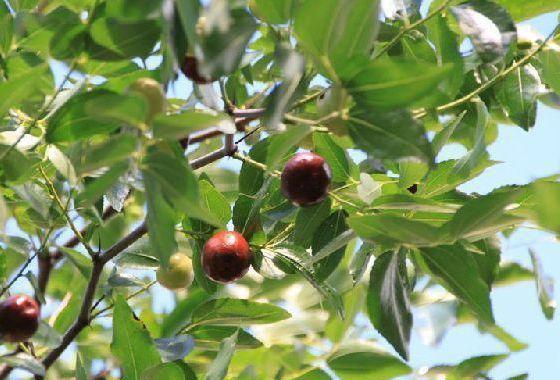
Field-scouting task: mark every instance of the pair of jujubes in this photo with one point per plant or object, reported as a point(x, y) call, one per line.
point(226, 256)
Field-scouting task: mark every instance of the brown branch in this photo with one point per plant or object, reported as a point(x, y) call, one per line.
point(47, 261)
point(99, 261)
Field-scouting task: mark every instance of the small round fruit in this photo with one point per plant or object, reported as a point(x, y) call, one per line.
point(179, 275)
point(305, 179)
point(226, 256)
point(191, 71)
point(152, 91)
point(19, 318)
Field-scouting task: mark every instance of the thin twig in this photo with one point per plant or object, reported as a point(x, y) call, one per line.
point(402, 32)
point(57, 199)
point(259, 165)
point(99, 262)
point(522, 62)
point(41, 111)
point(19, 274)
point(136, 293)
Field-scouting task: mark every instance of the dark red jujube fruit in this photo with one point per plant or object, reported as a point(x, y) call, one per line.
point(19, 318)
point(191, 71)
point(306, 179)
point(226, 256)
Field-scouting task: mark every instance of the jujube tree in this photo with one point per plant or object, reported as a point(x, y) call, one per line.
point(275, 164)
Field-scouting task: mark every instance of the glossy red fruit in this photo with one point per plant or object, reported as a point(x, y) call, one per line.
point(306, 179)
point(191, 71)
point(226, 256)
point(19, 318)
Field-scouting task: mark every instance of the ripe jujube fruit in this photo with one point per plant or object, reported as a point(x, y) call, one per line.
point(19, 318)
point(191, 70)
point(305, 179)
point(226, 256)
point(179, 273)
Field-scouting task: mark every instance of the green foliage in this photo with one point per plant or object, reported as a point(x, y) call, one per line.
point(87, 169)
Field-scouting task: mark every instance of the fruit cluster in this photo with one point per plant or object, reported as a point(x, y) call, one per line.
point(226, 256)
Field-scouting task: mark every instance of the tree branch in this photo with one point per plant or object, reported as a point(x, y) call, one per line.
point(409, 28)
point(99, 261)
point(522, 62)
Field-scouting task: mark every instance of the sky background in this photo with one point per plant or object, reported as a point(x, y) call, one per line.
point(525, 156)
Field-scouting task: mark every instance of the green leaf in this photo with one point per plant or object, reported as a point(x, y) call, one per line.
point(79, 260)
point(308, 219)
point(81, 372)
point(202, 280)
point(138, 255)
point(165, 166)
point(272, 11)
point(112, 151)
point(394, 83)
point(19, 88)
point(548, 204)
point(511, 273)
point(236, 312)
point(483, 216)
point(335, 156)
point(250, 177)
point(448, 53)
point(219, 367)
point(389, 229)
point(518, 93)
point(512, 343)
point(222, 45)
point(522, 10)
point(132, 343)
point(334, 32)
point(132, 9)
point(457, 271)
point(94, 190)
point(281, 145)
point(360, 262)
point(472, 367)
point(160, 219)
point(94, 113)
point(210, 337)
point(445, 177)
point(389, 135)
point(297, 261)
point(443, 136)
point(13, 164)
point(62, 164)
point(388, 300)
point(329, 243)
point(550, 62)
point(215, 203)
point(181, 125)
point(361, 361)
point(489, 26)
point(545, 287)
point(126, 39)
point(181, 315)
point(168, 371)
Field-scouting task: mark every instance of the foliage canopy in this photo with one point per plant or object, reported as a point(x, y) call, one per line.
point(103, 180)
